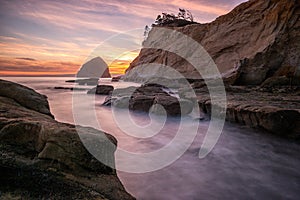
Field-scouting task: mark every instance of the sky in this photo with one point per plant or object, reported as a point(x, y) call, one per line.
point(55, 37)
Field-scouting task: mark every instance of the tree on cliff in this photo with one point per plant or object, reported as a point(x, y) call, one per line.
point(182, 18)
point(185, 14)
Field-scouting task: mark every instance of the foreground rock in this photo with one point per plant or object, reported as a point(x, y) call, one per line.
point(149, 98)
point(263, 44)
point(101, 90)
point(42, 158)
point(25, 96)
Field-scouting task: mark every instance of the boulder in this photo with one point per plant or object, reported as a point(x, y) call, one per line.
point(149, 97)
point(25, 96)
point(41, 158)
point(101, 90)
point(141, 103)
point(122, 102)
point(172, 106)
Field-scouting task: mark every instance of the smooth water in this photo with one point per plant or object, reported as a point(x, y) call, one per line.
point(245, 163)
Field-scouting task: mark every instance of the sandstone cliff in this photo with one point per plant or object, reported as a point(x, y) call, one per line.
point(41, 158)
point(260, 36)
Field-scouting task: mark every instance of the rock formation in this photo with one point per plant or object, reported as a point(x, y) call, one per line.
point(101, 90)
point(261, 36)
point(88, 81)
point(149, 98)
point(42, 158)
point(94, 68)
point(275, 110)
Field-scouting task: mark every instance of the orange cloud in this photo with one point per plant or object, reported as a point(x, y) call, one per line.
point(16, 66)
point(60, 35)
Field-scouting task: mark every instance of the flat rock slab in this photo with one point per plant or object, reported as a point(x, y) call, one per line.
point(278, 113)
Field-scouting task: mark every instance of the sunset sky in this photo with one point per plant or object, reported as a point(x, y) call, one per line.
point(40, 37)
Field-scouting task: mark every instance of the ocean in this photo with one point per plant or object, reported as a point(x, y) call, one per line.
point(244, 164)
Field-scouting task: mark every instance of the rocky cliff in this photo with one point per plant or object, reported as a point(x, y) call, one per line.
point(260, 36)
point(41, 158)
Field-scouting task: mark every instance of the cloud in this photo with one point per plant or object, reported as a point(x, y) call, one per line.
point(28, 59)
point(32, 65)
point(59, 33)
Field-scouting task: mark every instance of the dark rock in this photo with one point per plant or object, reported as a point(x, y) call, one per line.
point(25, 96)
point(70, 81)
point(42, 158)
point(275, 113)
point(122, 102)
point(116, 78)
point(149, 95)
point(88, 81)
point(101, 90)
point(280, 81)
point(141, 103)
point(172, 106)
point(68, 88)
point(124, 91)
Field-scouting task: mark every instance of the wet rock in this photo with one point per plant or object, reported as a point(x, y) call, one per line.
point(68, 88)
point(38, 154)
point(147, 98)
point(101, 90)
point(25, 96)
point(172, 106)
point(280, 81)
point(88, 81)
point(272, 112)
point(141, 103)
point(122, 102)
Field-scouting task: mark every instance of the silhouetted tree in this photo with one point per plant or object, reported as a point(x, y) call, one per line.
point(146, 31)
point(181, 14)
point(185, 14)
point(166, 18)
point(189, 16)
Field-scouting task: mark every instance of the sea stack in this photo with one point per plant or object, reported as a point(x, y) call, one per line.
point(94, 68)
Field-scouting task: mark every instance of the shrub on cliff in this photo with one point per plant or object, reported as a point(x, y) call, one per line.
point(184, 17)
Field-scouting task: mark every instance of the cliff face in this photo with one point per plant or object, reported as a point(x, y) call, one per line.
point(41, 158)
point(261, 36)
